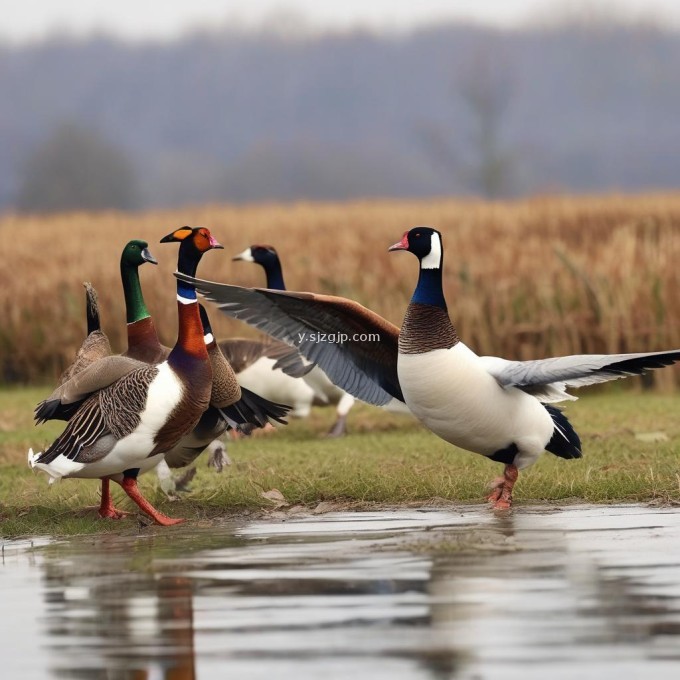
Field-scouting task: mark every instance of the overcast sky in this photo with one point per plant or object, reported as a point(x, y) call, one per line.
point(30, 19)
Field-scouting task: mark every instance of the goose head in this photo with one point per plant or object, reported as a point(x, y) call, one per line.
point(136, 253)
point(260, 254)
point(425, 243)
point(268, 259)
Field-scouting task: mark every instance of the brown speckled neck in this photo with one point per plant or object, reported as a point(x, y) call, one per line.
point(426, 328)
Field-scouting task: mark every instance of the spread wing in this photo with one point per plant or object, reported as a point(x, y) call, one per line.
point(355, 347)
point(548, 379)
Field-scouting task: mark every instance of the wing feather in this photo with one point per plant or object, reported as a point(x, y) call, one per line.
point(337, 334)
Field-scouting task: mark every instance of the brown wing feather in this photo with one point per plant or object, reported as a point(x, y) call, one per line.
point(364, 364)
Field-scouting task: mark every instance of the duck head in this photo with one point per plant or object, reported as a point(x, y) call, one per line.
point(194, 241)
point(425, 243)
point(136, 253)
point(200, 238)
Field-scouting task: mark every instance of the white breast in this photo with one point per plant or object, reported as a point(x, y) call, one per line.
point(452, 394)
point(164, 394)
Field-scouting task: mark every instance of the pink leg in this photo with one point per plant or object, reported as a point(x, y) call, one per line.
point(503, 499)
point(496, 487)
point(129, 485)
point(106, 507)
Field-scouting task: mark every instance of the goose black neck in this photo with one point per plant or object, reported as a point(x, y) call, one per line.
point(135, 308)
point(187, 263)
point(272, 268)
point(429, 290)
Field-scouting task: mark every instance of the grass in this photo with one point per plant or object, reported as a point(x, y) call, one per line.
point(631, 454)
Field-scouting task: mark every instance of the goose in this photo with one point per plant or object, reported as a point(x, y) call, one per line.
point(322, 391)
point(96, 344)
point(125, 427)
point(495, 407)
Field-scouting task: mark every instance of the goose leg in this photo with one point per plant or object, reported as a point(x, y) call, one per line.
point(343, 408)
point(501, 496)
point(129, 485)
point(339, 428)
point(106, 507)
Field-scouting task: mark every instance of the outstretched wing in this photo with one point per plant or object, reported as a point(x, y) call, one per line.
point(355, 347)
point(548, 379)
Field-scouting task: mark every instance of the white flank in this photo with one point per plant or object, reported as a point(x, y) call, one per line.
point(451, 393)
point(433, 260)
point(324, 390)
point(275, 385)
point(246, 256)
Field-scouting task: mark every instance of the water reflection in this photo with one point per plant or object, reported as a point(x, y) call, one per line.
point(585, 592)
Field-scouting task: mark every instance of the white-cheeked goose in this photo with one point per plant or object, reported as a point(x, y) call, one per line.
point(321, 391)
point(498, 408)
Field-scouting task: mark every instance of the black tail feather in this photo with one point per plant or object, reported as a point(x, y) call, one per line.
point(564, 443)
point(254, 410)
point(55, 410)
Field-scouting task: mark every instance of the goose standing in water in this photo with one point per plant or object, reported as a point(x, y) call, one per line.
point(498, 408)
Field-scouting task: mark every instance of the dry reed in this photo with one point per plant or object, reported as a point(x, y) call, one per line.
point(524, 279)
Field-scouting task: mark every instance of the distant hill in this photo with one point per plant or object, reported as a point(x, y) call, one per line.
point(450, 110)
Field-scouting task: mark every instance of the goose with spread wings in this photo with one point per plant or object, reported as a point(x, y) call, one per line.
point(498, 408)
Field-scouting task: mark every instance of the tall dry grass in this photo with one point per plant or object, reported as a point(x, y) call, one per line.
point(523, 279)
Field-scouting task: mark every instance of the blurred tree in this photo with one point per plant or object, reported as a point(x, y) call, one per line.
point(76, 168)
point(478, 156)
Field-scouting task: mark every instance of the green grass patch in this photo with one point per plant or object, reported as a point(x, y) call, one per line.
point(631, 444)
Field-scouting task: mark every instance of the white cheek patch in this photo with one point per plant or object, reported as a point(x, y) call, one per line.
point(246, 256)
point(433, 260)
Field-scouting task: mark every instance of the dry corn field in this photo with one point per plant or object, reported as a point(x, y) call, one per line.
point(523, 279)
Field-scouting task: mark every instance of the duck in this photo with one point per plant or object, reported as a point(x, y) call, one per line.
point(142, 338)
point(498, 408)
point(125, 427)
point(230, 406)
point(320, 390)
point(96, 344)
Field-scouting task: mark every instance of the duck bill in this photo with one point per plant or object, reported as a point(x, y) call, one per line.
point(148, 257)
point(215, 244)
point(401, 245)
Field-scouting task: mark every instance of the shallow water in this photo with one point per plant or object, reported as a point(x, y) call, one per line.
point(584, 592)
